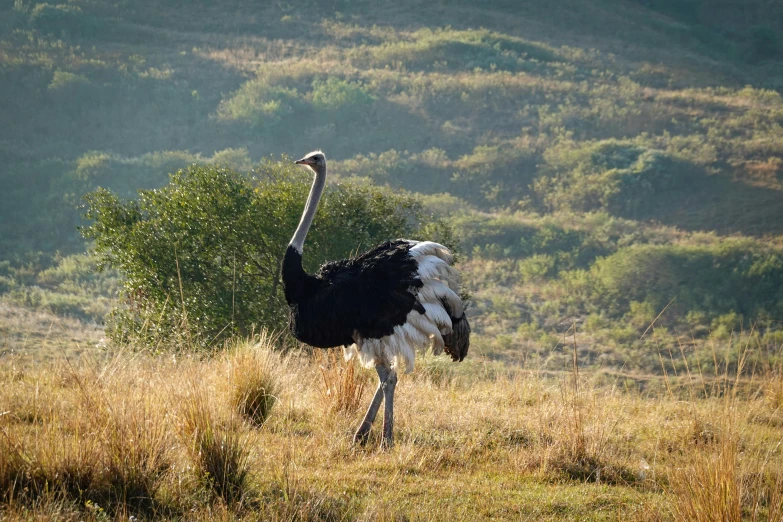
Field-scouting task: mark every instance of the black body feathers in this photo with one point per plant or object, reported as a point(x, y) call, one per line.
point(369, 294)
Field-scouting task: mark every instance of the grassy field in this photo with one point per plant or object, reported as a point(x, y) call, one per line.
point(251, 434)
point(612, 171)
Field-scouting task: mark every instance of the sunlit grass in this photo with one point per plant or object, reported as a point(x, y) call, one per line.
point(161, 436)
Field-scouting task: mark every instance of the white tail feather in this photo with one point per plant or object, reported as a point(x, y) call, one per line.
point(433, 267)
point(439, 316)
point(428, 248)
point(436, 292)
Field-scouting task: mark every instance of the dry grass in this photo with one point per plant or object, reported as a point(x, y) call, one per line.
point(219, 450)
point(164, 437)
point(254, 375)
point(27, 335)
point(342, 385)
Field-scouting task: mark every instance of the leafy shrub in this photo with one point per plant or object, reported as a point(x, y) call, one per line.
point(63, 285)
point(635, 187)
point(537, 267)
point(736, 278)
point(550, 247)
point(427, 171)
point(618, 176)
point(501, 174)
point(726, 325)
point(260, 104)
point(463, 50)
point(201, 256)
point(61, 18)
point(65, 80)
point(335, 94)
point(236, 159)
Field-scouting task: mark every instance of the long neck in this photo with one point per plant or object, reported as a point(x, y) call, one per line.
point(310, 208)
point(297, 283)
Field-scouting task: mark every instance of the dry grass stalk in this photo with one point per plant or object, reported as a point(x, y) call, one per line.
point(255, 378)
point(773, 390)
point(341, 386)
point(220, 452)
point(708, 488)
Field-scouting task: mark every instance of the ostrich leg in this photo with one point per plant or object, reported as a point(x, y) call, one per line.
point(388, 411)
point(372, 411)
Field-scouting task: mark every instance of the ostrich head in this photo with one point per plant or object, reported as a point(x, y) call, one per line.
point(315, 160)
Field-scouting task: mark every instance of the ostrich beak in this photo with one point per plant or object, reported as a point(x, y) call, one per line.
point(305, 161)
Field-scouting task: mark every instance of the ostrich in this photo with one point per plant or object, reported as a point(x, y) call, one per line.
point(380, 306)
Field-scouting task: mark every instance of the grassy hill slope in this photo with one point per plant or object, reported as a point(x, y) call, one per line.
point(486, 91)
point(563, 137)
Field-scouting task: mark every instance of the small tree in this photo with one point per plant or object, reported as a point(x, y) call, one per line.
point(201, 256)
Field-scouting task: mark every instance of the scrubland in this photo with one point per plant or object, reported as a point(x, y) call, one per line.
point(252, 433)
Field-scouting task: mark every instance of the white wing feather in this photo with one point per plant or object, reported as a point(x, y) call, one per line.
point(440, 282)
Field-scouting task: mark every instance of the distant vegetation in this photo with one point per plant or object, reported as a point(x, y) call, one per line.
point(598, 162)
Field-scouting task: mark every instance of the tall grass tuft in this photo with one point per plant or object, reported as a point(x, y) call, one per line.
point(136, 443)
point(255, 379)
point(721, 478)
point(220, 452)
point(773, 391)
point(580, 431)
point(12, 464)
point(341, 386)
point(101, 438)
point(709, 487)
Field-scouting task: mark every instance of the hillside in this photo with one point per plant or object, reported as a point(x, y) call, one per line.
point(599, 160)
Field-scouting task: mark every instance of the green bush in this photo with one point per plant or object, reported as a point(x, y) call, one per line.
point(537, 267)
point(726, 325)
point(427, 171)
point(501, 174)
point(260, 104)
point(620, 177)
point(504, 236)
point(460, 50)
point(62, 80)
point(62, 18)
point(693, 281)
point(335, 95)
point(201, 256)
point(64, 285)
